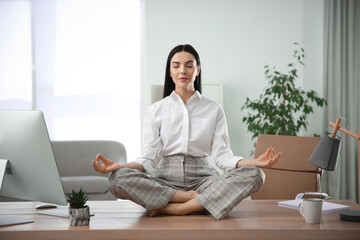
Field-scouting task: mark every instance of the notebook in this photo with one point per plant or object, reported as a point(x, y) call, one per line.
point(328, 207)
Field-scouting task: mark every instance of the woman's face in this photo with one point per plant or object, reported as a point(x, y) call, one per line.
point(183, 70)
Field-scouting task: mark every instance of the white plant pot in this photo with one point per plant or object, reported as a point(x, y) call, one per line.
point(79, 216)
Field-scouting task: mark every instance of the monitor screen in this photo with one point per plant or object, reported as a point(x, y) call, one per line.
point(32, 173)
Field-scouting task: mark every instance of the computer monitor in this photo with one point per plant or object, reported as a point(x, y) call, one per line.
point(25, 146)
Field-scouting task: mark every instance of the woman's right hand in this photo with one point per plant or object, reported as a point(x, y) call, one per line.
point(106, 166)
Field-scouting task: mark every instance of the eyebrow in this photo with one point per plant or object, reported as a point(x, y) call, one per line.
point(191, 61)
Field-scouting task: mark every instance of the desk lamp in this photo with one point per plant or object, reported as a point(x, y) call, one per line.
point(325, 156)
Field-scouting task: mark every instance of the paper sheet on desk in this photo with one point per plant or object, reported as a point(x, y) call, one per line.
point(328, 207)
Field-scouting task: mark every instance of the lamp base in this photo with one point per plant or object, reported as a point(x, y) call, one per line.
point(348, 215)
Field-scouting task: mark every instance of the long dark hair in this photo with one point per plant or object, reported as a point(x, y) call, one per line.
point(169, 84)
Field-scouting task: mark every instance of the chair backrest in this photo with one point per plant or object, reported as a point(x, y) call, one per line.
point(293, 173)
point(74, 157)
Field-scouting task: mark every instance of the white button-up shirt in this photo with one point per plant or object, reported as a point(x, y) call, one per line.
point(197, 129)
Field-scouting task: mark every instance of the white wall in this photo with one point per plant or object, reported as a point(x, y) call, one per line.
point(235, 39)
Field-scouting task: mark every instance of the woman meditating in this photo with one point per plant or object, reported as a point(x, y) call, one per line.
point(173, 175)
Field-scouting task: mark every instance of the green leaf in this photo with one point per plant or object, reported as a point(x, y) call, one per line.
point(282, 108)
point(77, 199)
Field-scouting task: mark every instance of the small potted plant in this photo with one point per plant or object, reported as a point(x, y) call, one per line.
point(78, 211)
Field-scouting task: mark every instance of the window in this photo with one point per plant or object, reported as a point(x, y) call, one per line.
point(15, 57)
point(87, 67)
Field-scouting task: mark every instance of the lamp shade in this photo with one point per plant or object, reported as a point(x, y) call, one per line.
point(326, 153)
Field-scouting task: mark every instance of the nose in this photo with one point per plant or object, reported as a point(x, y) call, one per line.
point(182, 70)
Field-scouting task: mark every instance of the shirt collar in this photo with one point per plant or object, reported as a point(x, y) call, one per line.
point(175, 96)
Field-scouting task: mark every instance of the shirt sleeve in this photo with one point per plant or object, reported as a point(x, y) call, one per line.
point(220, 145)
point(151, 144)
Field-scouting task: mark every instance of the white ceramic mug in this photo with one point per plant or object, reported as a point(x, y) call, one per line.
point(311, 209)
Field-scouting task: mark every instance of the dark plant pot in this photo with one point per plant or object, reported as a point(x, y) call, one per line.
point(79, 216)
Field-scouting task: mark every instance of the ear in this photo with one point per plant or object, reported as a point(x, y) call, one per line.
point(198, 68)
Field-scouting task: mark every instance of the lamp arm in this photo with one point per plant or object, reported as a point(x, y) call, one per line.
point(344, 130)
point(336, 127)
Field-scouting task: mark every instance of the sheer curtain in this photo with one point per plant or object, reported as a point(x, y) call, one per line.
point(87, 67)
point(341, 89)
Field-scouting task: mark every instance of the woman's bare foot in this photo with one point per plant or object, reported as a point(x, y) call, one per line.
point(193, 194)
point(183, 196)
point(170, 209)
point(178, 208)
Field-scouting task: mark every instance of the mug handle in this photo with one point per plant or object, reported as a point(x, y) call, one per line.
point(300, 208)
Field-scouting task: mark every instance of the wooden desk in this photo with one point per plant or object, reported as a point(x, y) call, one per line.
point(251, 219)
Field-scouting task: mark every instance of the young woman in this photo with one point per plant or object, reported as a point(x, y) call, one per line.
point(173, 175)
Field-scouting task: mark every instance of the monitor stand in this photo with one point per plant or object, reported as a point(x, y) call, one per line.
point(3, 165)
point(9, 220)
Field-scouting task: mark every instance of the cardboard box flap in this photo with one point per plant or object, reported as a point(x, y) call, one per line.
point(280, 184)
point(296, 151)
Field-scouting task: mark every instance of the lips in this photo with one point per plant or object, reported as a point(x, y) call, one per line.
point(183, 79)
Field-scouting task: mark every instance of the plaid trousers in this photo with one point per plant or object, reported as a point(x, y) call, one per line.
point(218, 194)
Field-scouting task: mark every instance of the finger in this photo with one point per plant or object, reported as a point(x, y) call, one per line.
point(102, 158)
point(268, 152)
point(273, 155)
point(276, 158)
point(99, 157)
point(273, 152)
point(100, 168)
point(94, 163)
point(97, 162)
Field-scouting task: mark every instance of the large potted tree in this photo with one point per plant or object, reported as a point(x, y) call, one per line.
point(283, 107)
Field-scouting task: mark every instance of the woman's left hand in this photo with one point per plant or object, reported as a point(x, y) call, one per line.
point(268, 158)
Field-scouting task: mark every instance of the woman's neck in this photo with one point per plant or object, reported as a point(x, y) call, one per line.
point(185, 94)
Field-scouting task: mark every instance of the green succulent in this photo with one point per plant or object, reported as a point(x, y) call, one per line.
point(77, 199)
